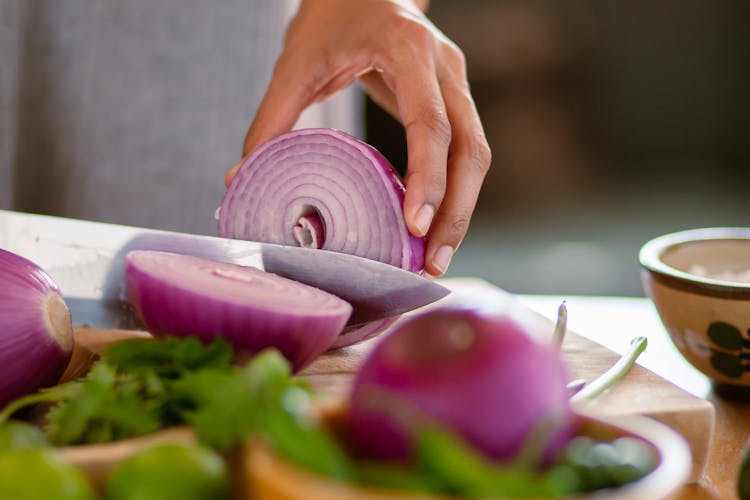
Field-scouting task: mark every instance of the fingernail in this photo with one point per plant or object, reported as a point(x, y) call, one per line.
point(442, 258)
point(424, 217)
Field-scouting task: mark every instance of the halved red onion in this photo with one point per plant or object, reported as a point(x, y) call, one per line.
point(183, 295)
point(482, 375)
point(36, 334)
point(322, 188)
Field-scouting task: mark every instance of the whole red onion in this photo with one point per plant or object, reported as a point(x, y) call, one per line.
point(36, 334)
point(481, 375)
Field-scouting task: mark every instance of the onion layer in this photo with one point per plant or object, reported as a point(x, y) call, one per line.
point(36, 334)
point(183, 295)
point(322, 188)
point(325, 189)
point(481, 375)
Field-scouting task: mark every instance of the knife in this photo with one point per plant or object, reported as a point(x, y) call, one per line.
point(86, 260)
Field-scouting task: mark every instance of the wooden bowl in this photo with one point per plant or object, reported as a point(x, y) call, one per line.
point(258, 473)
point(267, 476)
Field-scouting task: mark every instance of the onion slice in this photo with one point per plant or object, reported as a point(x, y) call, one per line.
point(322, 188)
point(36, 334)
point(183, 295)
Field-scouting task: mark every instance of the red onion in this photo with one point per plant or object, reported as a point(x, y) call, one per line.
point(183, 295)
point(36, 334)
point(356, 334)
point(322, 188)
point(481, 375)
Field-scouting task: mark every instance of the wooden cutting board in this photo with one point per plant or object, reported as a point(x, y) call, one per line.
point(641, 392)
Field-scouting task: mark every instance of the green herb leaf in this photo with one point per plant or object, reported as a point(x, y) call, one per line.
point(106, 407)
point(294, 435)
point(397, 477)
point(223, 412)
point(169, 357)
point(464, 471)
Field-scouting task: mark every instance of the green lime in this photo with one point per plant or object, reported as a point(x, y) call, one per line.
point(31, 474)
point(15, 435)
point(170, 471)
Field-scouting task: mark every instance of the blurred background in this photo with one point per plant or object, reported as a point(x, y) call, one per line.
point(610, 123)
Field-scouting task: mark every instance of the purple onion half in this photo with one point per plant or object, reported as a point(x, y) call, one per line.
point(480, 375)
point(322, 188)
point(183, 295)
point(36, 334)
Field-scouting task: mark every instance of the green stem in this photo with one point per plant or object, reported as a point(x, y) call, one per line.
point(53, 394)
point(561, 326)
point(609, 378)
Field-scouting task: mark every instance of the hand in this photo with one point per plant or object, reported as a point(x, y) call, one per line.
point(415, 73)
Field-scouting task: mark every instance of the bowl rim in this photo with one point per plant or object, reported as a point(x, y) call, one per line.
point(671, 470)
point(651, 252)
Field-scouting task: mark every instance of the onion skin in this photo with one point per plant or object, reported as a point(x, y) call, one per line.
point(348, 184)
point(183, 295)
point(480, 375)
point(36, 333)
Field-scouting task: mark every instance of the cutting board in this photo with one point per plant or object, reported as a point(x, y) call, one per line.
point(641, 392)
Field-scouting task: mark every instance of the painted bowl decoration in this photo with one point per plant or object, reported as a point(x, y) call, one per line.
point(699, 281)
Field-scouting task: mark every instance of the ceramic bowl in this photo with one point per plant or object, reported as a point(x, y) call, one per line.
point(699, 281)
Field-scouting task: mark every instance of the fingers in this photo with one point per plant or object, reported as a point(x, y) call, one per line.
point(421, 81)
point(372, 82)
point(468, 162)
point(428, 135)
point(447, 149)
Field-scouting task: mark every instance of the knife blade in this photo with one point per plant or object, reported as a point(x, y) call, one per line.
point(86, 260)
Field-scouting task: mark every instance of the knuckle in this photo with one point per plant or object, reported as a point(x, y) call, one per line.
point(457, 224)
point(433, 118)
point(413, 31)
point(431, 181)
point(454, 57)
point(436, 185)
point(481, 155)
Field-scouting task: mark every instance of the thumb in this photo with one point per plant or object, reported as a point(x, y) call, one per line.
point(291, 90)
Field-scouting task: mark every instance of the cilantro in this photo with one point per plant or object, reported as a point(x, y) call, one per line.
point(464, 471)
point(107, 407)
point(127, 393)
point(262, 399)
point(444, 463)
point(168, 358)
